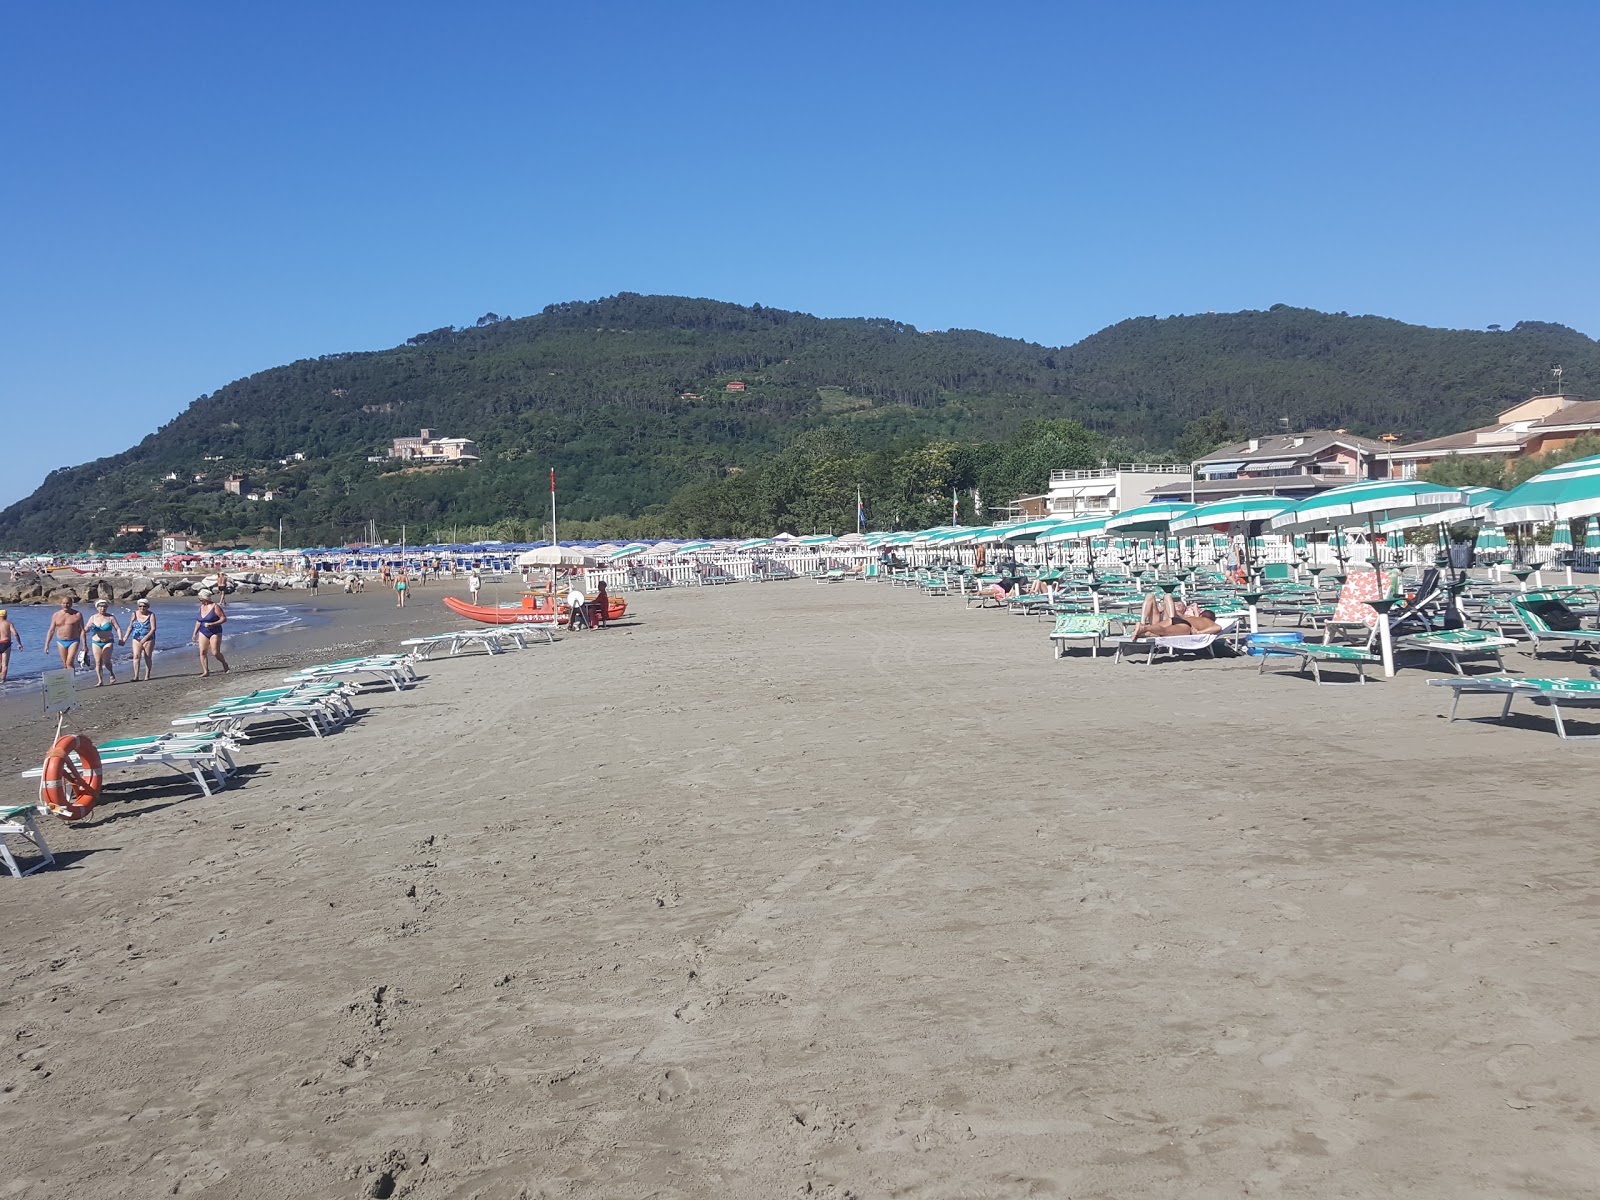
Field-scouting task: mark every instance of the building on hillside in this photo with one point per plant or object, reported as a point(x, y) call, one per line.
point(1104, 491)
point(237, 484)
point(1027, 508)
point(129, 529)
point(429, 449)
point(736, 385)
point(1536, 426)
point(1293, 465)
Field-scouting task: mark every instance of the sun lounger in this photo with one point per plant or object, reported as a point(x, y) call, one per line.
point(1572, 693)
point(395, 670)
point(1079, 627)
point(1189, 643)
point(1536, 609)
point(491, 639)
point(207, 759)
point(321, 708)
point(1314, 656)
point(22, 820)
point(1453, 645)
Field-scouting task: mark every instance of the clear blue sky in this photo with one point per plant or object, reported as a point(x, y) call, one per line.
point(196, 192)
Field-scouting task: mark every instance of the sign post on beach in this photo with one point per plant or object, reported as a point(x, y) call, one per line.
point(59, 694)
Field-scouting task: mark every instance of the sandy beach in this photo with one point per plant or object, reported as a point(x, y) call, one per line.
point(789, 890)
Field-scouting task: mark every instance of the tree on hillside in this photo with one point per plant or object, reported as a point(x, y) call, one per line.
point(1467, 470)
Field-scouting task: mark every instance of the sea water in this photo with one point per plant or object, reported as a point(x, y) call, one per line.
point(248, 622)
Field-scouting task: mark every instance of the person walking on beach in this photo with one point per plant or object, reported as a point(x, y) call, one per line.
point(142, 633)
point(474, 582)
point(315, 580)
point(65, 632)
point(208, 632)
point(400, 589)
point(9, 639)
point(104, 631)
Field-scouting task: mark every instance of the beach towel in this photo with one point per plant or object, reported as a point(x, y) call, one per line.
point(1352, 608)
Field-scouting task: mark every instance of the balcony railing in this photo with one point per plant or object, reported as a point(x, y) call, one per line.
point(1120, 468)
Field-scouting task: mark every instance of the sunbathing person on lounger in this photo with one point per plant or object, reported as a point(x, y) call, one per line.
point(1162, 617)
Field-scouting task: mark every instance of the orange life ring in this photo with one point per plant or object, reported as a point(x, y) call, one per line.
point(61, 773)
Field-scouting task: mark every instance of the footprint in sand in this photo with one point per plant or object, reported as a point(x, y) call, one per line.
point(673, 1085)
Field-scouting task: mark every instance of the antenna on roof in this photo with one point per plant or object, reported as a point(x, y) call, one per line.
point(1556, 371)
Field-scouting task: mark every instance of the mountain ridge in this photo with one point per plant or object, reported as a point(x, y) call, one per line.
point(626, 396)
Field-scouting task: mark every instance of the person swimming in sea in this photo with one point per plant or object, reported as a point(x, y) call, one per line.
point(208, 632)
point(103, 634)
point(65, 633)
point(142, 633)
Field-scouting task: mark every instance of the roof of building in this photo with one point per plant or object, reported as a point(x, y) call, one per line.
point(1293, 446)
point(1508, 438)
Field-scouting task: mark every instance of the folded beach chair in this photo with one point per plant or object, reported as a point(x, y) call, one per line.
point(1549, 621)
point(1313, 657)
point(395, 670)
point(205, 758)
point(22, 821)
point(1191, 643)
point(1554, 693)
point(491, 639)
point(1079, 627)
point(1453, 645)
point(321, 708)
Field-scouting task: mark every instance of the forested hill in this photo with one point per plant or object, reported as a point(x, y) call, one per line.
point(627, 398)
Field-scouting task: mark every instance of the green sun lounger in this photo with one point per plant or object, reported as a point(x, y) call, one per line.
point(1079, 627)
point(1534, 610)
point(1453, 645)
point(1314, 656)
point(1554, 693)
point(22, 820)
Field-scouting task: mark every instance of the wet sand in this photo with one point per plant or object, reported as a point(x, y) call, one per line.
point(828, 891)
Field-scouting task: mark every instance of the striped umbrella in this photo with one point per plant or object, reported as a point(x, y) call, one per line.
point(1227, 512)
point(1562, 493)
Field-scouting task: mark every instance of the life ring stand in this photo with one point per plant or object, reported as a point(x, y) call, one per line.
point(71, 782)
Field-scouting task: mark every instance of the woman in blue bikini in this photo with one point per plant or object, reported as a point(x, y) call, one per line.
point(103, 634)
point(142, 633)
point(208, 632)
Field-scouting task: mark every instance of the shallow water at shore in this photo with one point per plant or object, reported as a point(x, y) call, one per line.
point(248, 622)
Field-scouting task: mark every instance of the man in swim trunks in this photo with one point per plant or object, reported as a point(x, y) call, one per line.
point(1160, 617)
point(65, 632)
point(9, 639)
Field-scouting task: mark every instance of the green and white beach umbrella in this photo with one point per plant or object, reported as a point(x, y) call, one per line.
point(1147, 518)
point(627, 551)
point(1366, 504)
point(693, 548)
point(1080, 530)
point(1478, 499)
point(1562, 493)
point(1230, 511)
point(1024, 532)
point(1561, 536)
point(1591, 535)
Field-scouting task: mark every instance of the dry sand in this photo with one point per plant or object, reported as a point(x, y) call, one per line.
point(796, 890)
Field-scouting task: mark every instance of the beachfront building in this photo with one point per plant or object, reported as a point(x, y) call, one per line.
point(1536, 426)
point(429, 449)
point(1102, 491)
point(175, 543)
point(1293, 465)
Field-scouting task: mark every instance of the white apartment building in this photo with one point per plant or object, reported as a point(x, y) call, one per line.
point(1102, 491)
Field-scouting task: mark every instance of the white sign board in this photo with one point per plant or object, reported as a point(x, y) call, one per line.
point(58, 691)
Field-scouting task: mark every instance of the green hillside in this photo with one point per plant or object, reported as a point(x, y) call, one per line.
point(626, 398)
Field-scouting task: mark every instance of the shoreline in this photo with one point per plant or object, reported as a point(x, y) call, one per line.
point(341, 625)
